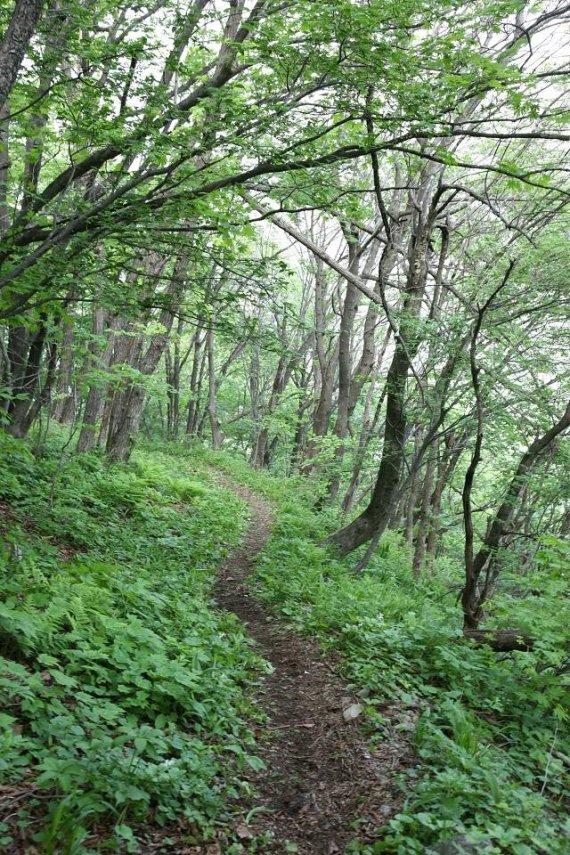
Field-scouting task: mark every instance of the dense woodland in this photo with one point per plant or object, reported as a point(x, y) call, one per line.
point(322, 248)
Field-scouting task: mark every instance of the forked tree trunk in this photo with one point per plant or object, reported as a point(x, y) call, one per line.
point(125, 423)
point(375, 518)
point(477, 587)
point(128, 404)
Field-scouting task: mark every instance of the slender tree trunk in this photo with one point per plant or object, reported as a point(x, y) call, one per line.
point(345, 357)
point(372, 522)
point(423, 514)
point(195, 382)
point(217, 437)
point(374, 519)
point(4, 166)
point(261, 451)
point(474, 593)
point(325, 369)
point(367, 432)
point(410, 500)
point(173, 364)
point(63, 408)
point(97, 360)
point(300, 436)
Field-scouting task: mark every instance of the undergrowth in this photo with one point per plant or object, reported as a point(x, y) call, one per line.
point(123, 694)
point(491, 733)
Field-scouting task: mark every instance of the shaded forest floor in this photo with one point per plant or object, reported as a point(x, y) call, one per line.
point(323, 782)
point(168, 624)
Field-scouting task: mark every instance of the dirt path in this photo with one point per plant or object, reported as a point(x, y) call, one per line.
point(322, 777)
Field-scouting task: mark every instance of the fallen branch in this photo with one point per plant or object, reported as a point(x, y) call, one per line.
point(501, 640)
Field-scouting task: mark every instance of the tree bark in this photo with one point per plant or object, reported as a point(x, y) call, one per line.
point(14, 44)
point(375, 518)
point(95, 401)
point(128, 405)
point(217, 437)
point(474, 596)
point(196, 376)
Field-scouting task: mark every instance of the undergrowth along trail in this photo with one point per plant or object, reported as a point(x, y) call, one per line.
point(132, 710)
point(323, 781)
point(490, 733)
point(125, 711)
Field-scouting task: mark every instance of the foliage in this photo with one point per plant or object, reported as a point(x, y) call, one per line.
point(335, 244)
point(123, 692)
point(491, 730)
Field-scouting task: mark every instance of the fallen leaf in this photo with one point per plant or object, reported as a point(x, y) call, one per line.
point(352, 712)
point(244, 832)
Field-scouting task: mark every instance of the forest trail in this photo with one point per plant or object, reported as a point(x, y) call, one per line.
point(322, 776)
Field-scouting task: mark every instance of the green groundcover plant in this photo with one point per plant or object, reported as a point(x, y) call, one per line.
point(492, 737)
point(127, 698)
point(123, 693)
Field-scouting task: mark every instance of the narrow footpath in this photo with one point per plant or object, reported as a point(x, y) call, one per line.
point(323, 785)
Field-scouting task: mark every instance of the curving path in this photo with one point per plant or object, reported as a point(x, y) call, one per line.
point(323, 784)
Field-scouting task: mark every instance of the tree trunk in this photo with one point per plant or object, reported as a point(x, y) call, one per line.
point(261, 452)
point(96, 396)
point(475, 594)
point(423, 514)
point(410, 508)
point(325, 369)
point(63, 408)
point(217, 437)
point(445, 470)
point(375, 518)
point(4, 166)
point(26, 358)
point(128, 405)
point(22, 26)
point(195, 383)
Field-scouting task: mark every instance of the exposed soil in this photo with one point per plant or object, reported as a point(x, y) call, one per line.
point(324, 785)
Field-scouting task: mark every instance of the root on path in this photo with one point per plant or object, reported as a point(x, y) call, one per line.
point(323, 785)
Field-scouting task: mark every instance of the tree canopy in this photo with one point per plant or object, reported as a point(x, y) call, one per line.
point(330, 238)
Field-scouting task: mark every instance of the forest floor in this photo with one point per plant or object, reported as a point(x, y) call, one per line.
point(323, 783)
point(155, 748)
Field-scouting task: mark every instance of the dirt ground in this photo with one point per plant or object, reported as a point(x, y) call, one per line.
point(324, 785)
